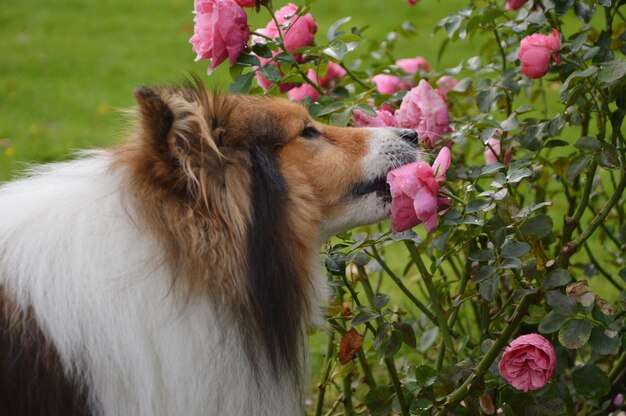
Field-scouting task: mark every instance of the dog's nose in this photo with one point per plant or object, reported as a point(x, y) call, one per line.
point(409, 135)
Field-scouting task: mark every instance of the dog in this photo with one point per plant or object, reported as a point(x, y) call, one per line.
point(177, 273)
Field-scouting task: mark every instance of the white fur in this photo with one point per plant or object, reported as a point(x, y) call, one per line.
point(72, 251)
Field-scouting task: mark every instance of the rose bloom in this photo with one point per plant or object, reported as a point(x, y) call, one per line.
point(535, 52)
point(298, 31)
point(412, 2)
point(383, 118)
point(414, 193)
point(492, 151)
point(528, 362)
point(446, 83)
point(220, 32)
point(425, 110)
point(387, 84)
point(515, 4)
point(413, 65)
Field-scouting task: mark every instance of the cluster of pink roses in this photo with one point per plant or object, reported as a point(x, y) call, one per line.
point(295, 31)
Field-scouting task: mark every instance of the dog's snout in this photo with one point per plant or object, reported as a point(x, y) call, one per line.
point(409, 135)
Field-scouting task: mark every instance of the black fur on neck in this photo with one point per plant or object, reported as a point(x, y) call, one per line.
point(277, 289)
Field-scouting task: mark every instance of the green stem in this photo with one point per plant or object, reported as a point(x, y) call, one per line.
point(328, 364)
point(572, 246)
point(347, 395)
point(354, 77)
point(391, 368)
point(483, 366)
point(434, 297)
point(402, 287)
point(618, 367)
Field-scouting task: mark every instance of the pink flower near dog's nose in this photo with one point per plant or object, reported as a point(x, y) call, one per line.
point(528, 362)
point(424, 109)
point(414, 193)
point(221, 31)
point(535, 52)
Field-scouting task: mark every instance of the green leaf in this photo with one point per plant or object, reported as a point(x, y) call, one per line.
point(262, 50)
point(363, 317)
point(336, 264)
point(336, 50)
point(557, 278)
point(246, 59)
point(562, 304)
point(588, 144)
point(391, 345)
point(552, 322)
point(541, 226)
point(270, 72)
point(485, 100)
point(425, 376)
point(380, 300)
point(601, 342)
point(514, 249)
point(608, 159)
point(242, 84)
point(408, 334)
point(590, 382)
point(576, 167)
point(622, 274)
point(579, 74)
point(510, 123)
point(379, 400)
point(488, 288)
point(331, 108)
point(482, 255)
point(516, 175)
point(428, 338)
point(332, 32)
point(612, 71)
point(575, 333)
point(285, 57)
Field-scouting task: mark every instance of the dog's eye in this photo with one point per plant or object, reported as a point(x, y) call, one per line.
point(310, 132)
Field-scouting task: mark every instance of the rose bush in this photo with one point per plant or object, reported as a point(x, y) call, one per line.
point(529, 126)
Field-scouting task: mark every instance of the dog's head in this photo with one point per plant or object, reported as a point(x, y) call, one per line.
point(213, 145)
point(241, 190)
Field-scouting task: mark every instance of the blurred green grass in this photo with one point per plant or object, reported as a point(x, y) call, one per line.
point(69, 65)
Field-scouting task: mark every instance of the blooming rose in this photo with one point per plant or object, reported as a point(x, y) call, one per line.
point(297, 31)
point(492, 150)
point(446, 83)
point(220, 32)
point(414, 193)
point(412, 2)
point(387, 84)
point(383, 118)
point(528, 362)
point(413, 65)
point(535, 52)
point(334, 72)
point(424, 110)
point(515, 4)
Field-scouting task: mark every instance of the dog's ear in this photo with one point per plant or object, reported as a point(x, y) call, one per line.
point(174, 123)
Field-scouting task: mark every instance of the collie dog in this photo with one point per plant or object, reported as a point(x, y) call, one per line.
point(177, 273)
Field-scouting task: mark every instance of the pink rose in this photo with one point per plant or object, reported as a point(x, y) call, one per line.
point(383, 118)
point(220, 32)
point(298, 31)
point(414, 193)
point(334, 72)
point(246, 3)
point(535, 52)
point(528, 362)
point(413, 65)
point(515, 4)
point(412, 2)
point(387, 84)
point(446, 83)
point(424, 110)
point(492, 150)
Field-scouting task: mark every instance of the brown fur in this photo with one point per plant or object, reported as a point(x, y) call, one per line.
point(32, 380)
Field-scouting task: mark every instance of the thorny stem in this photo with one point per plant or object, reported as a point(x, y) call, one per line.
point(434, 297)
point(354, 77)
point(389, 362)
point(483, 366)
point(347, 395)
point(402, 287)
point(572, 246)
point(328, 364)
